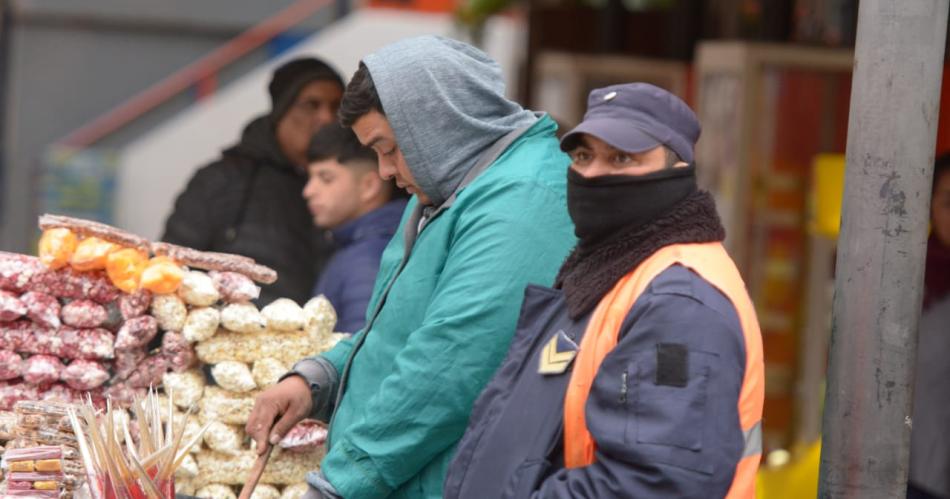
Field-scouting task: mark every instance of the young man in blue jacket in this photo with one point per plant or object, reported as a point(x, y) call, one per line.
point(347, 196)
point(486, 218)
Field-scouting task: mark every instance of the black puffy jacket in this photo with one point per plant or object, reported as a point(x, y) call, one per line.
point(250, 203)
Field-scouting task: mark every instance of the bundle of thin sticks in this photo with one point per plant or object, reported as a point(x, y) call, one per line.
point(133, 471)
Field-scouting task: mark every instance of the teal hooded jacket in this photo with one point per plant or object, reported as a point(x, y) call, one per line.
point(436, 337)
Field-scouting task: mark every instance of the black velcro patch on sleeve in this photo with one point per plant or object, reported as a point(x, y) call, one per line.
point(672, 364)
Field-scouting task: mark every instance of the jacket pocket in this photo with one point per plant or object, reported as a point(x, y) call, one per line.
point(526, 479)
point(670, 415)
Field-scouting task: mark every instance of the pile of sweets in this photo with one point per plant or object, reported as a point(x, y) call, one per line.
point(83, 319)
point(201, 305)
point(248, 350)
point(41, 457)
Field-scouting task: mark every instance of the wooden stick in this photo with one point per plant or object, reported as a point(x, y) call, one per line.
point(256, 472)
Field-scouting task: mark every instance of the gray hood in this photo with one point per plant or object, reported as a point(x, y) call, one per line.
point(445, 101)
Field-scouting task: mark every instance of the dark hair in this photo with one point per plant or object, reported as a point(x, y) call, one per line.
point(338, 143)
point(941, 168)
point(360, 97)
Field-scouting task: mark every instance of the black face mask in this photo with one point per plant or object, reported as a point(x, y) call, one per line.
point(601, 206)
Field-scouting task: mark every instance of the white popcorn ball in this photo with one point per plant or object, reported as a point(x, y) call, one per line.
point(287, 347)
point(192, 428)
point(243, 318)
point(264, 491)
point(224, 438)
point(184, 485)
point(284, 314)
point(197, 289)
point(320, 316)
point(233, 376)
point(188, 468)
point(295, 491)
point(201, 324)
point(186, 387)
point(227, 407)
point(215, 491)
point(267, 372)
point(170, 312)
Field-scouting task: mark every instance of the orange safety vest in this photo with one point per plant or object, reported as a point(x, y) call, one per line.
point(713, 264)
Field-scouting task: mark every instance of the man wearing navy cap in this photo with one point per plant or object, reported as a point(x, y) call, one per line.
point(640, 374)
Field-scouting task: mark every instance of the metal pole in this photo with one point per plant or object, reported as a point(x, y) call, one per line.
point(878, 288)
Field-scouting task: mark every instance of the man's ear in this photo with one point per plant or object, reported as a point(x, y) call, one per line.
point(371, 186)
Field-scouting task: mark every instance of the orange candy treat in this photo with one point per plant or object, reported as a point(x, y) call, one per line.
point(91, 254)
point(162, 275)
point(125, 268)
point(57, 246)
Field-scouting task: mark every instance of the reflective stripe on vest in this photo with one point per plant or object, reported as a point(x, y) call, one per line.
point(713, 264)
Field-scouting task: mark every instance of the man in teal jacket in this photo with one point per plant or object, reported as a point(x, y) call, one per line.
point(487, 218)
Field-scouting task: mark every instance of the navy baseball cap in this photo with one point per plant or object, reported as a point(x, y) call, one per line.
point(636, 117)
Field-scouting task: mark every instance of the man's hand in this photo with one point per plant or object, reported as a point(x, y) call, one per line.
point(287, 403)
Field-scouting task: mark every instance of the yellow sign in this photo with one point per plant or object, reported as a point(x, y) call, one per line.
point(827, 194)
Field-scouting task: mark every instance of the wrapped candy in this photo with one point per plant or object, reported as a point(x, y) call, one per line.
point(170, 311)
point(124, 268)
point(135, 304)
point(233, 376)
point(42, 369)
point(11, 365)
point(136, 333)
point(288, 348)
point(123, 395)
point(284, 314)
point(264, 491)
point(16, 334)
point(201, 324)
point(295, 491)
point(17, 271)
point(56, 247)
point(91, 254)
point(84, 314)
point(126, 361)
point(177, 352)
point(226, 407)
point(243, 318)
point(8, 423)
point(162, 275)
point(89, 344)
point(215, 491)
point(148, 373)
point(85, 375)
point(320, 316)
point(198, 290)
point(267, 372)
point(187, 387)
point(307, 436)
point(42, 308)
point(223, 438)
point(11, 308)
point(12, 392)
point(100, 288)
point(235, 287)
